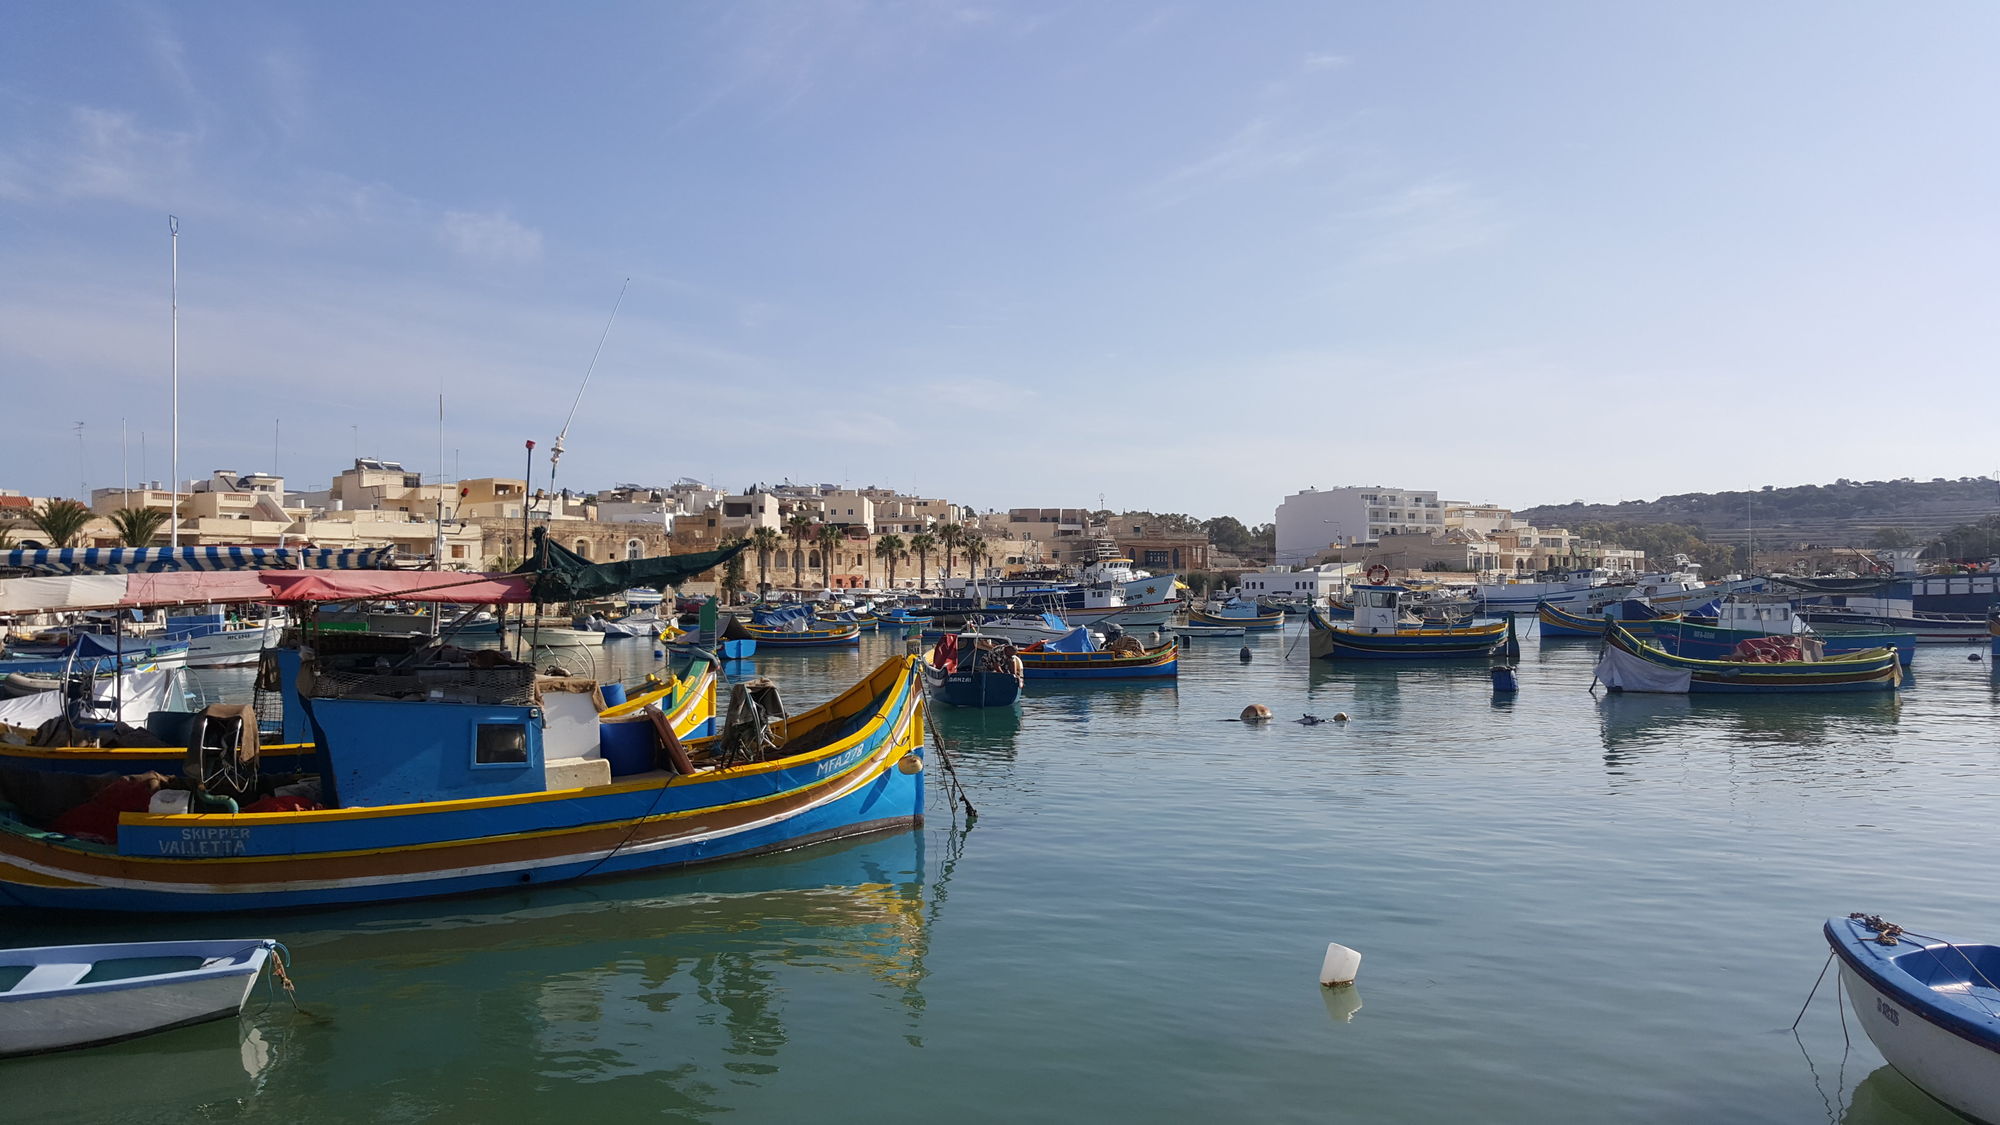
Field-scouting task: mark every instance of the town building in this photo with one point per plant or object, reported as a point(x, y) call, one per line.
point(1309, 522)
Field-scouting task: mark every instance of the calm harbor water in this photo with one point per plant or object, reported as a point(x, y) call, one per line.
point(1571, 907)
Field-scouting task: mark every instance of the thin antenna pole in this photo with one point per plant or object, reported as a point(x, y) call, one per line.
point(174, 236)
point(277, 447)
point(556, 451)
point(125, 466)
point(82, 467)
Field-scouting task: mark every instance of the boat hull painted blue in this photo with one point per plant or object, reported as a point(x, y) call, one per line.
point(1711, 642)
point(1929, 1006)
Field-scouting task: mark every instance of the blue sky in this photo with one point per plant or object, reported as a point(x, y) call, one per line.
point(1187, 257)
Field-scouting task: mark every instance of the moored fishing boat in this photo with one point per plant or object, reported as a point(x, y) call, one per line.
point(57, 997)
point(1244, 615)
point(443, 780)
point(1740, 619)
point(1929, 1005)
point(970, 669)
point(1896, 617)
point(1629, 664)
point(805, 636)
point(1381, 631)
point(1638, 617)
point(1077, 657)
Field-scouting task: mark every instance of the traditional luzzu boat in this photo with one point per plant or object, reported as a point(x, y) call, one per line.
point(1637, 617)
point(970, 669)
point(1381, 631)
point(1742, 619)
point(443, 780)
point(1077, 657)
point(1247, 615)
point(804, 635)
point(1929, 1005)
point(902, 619)
point(1630, 664)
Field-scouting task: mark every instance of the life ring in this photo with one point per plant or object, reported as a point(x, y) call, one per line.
point(1374, 570)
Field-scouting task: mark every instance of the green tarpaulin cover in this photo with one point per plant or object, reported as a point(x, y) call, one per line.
point(562, 575)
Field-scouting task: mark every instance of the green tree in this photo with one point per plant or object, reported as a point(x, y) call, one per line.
point(137, 526)
point(922, 544)
point(975, 549)
point(887, 548)
point(951, 537)
point(765, 540)
point(732, 571)
point(60, 521)
point(826, 538)
point(1892, 537)
point(800, 528)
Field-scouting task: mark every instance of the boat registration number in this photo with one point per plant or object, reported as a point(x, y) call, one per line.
point(1888, 1013)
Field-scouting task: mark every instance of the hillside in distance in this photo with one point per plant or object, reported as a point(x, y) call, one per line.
point(1846, 512)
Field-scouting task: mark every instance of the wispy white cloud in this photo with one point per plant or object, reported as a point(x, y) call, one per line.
point(1258, 149)
point(1430, 218)
point(107, 154)
point(491, 236)
point(1325, 60)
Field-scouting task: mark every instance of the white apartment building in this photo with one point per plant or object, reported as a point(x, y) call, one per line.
point(1311, 521)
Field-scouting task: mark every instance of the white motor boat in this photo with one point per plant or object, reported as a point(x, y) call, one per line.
point(56, 997)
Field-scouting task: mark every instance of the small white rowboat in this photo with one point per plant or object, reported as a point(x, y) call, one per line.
point(55, 997)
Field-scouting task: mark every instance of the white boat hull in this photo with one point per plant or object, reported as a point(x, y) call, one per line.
point(223, 650)
point(59, 1016)
point(558, 636)
point(1954, 1070)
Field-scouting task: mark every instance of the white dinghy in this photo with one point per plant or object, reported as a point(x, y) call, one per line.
point(55, 997)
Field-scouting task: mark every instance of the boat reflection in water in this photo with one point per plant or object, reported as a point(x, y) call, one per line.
point(1778, 726)
point(650, 994)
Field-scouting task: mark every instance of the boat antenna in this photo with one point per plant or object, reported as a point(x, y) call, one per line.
point(174, 236)
point(556, 451)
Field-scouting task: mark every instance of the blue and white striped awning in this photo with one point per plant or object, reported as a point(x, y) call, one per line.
point(153, 560)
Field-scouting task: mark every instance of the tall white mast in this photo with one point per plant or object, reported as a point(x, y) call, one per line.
point(174, 521)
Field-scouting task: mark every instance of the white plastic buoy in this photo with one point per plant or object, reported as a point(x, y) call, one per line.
point(1340, 967)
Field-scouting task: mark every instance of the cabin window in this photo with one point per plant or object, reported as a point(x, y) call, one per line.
point(501, 744)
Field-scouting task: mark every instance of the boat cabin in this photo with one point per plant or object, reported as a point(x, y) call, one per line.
point(1766, 618)
point(1377, 609)
point(444, 732)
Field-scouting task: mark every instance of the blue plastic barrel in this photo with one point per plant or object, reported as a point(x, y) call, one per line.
point(1504, 681)
point(628, 746)
point(614, 694)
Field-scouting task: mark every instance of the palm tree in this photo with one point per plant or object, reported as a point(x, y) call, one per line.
point(61, 520)
point(886, 549)
point(921, 545)
point(975, 548)
point(136, 526)
point(764, 540)
point(800, 528)
point(826, 539)
point(951, 536)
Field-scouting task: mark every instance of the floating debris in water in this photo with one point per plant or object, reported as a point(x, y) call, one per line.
point(1341, 966)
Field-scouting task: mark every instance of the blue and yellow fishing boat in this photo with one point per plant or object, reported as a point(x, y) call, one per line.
point(443, 780)
point(1380, 631)
point(1077, 657)
point(1637, 617)
point(1630, 664)
point(970, 669)
point(810, 636)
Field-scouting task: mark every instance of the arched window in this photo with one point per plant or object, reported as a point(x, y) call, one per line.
point(812, 560)
point(583, 547)
point(634, 549)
